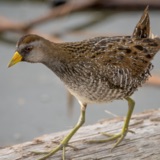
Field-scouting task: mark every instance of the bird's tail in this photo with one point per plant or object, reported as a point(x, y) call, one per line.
point(142, 29)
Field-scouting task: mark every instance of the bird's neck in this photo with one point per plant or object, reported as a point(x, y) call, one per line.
point(56, 59)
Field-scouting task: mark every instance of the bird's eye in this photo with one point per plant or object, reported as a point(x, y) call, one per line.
point(27, 49)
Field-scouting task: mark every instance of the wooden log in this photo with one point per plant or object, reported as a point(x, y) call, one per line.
point(129, 4)
point(74, 6)
point(145, 144)
point(154, 80)
point(59, 11)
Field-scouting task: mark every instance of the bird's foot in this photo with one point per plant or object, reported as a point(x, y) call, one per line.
point(51, 152)
point(119, 137)
point(61, 146)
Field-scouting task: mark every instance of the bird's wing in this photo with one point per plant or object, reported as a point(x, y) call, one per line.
point(123, 52)
point(125, 59)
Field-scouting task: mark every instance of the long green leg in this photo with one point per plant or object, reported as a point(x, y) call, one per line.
point(65, 141)
point(120, 136)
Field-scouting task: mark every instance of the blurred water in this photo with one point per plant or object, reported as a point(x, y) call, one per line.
point(33, 100)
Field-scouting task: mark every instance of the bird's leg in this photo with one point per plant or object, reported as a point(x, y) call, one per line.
point(120, 136)
point(65, 141)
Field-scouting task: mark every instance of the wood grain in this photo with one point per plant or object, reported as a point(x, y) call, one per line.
point(144, 145)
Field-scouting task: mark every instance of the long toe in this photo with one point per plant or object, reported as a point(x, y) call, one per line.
point(118, 137)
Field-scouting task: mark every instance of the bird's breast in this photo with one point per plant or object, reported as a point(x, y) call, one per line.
point(91, 85)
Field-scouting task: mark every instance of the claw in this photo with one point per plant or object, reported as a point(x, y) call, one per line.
point(107, 134)
point(133, 132)
point(38, 152)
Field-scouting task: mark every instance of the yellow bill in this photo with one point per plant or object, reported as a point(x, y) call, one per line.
point(15, 59)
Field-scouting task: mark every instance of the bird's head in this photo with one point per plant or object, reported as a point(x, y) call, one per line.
point(30, 49)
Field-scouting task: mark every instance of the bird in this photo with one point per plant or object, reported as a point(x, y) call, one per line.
point(96, 70)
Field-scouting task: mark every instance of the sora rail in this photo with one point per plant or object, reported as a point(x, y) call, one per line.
point(97, 70)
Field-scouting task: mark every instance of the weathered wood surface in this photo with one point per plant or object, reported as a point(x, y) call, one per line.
point(144, 145)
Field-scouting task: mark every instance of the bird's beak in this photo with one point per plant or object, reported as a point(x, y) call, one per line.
point(15, 59)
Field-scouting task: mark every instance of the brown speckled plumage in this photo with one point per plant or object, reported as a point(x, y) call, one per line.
point(105, 68)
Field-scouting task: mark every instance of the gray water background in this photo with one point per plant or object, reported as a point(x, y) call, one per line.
point(33, 100)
